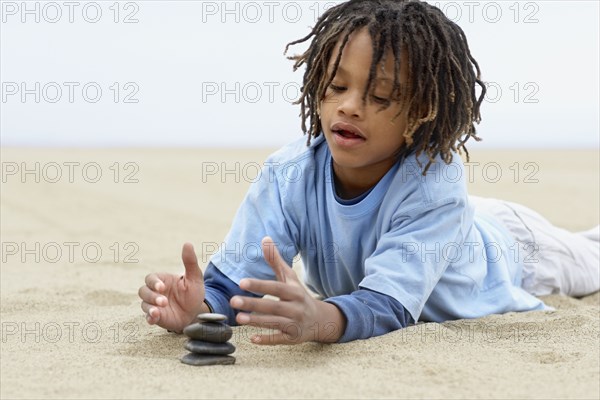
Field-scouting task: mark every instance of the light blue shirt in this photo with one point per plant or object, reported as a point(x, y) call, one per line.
point(413, 238)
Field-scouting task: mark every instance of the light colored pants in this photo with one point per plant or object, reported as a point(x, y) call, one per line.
point(555, 261)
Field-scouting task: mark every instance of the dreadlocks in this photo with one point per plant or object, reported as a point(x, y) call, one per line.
point(440, 94)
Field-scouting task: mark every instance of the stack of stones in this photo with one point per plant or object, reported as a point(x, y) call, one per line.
point(208, 341)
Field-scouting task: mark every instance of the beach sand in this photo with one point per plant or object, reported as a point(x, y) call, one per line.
point(75, 253)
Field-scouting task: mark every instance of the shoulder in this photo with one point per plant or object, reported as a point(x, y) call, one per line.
point(296, 151)
point(296, 162)
point(442, 183)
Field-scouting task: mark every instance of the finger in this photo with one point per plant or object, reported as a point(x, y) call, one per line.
point(155, 283)
point(263, 306)
point(278, 289)
point(152, 313)
point(151, 297)
point(264, 321)
point(275, 338)
point(274, 259)
point(151, 310)
point(190, 262)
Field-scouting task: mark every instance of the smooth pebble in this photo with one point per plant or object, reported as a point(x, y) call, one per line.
point(210, 359)
point(201, 347)
point(211, 317)
point(215, 332)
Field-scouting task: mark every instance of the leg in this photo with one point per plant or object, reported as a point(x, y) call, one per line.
point(592, 234)
point(554, 259)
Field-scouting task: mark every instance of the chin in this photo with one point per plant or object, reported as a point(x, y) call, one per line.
point(345, 160)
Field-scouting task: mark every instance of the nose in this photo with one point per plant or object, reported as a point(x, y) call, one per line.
point(351, 104)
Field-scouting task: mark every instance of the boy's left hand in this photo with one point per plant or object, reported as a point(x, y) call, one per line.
point(297, 315)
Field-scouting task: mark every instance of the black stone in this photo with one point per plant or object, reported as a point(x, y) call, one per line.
point(211, 317)
point(200, 347)
point(214, 332)
point(201, 359)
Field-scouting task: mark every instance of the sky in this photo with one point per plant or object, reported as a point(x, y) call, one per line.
point(212, 73)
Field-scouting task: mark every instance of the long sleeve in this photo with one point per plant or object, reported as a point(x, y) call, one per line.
point(219, 290)
point(369, 313)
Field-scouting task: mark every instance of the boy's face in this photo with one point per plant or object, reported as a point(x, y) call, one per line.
point(362, 138)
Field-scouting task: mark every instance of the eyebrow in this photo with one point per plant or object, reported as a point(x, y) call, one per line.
point(343, 71)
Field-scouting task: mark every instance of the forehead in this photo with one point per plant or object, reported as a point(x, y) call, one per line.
point(357, 56)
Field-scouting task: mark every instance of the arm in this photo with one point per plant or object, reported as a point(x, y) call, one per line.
point(370, 314)
point(300, 318)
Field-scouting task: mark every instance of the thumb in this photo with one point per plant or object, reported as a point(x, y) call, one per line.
point(274, 259)
point(190, 261)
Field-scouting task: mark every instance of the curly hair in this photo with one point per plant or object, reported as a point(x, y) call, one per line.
point(440, 94)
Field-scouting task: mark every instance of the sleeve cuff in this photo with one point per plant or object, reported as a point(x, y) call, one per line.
point(218, 303)
point(369, 313)
point(360, 319)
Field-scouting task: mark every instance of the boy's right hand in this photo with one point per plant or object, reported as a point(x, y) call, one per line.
point(173, 301)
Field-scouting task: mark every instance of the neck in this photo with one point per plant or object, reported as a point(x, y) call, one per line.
point(352, 182)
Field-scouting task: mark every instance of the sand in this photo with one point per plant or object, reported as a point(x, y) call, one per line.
point(72, 326)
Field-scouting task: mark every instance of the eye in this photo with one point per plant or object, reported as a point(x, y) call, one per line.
point(336, 88)
point(380, 100)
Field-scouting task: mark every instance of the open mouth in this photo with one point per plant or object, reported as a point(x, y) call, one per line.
point(347, 131)
point(347, 134)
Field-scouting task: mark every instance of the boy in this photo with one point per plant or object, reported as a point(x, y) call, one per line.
point(389, 90)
